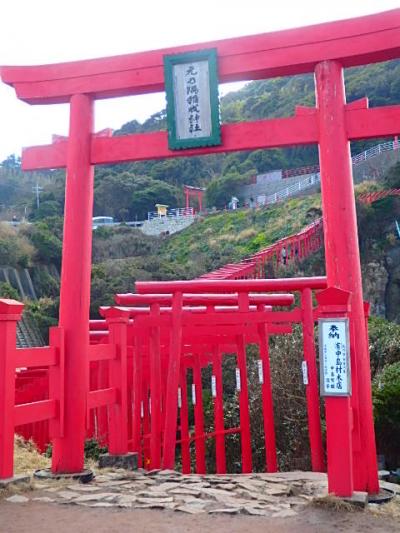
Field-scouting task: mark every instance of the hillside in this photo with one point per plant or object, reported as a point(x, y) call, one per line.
point(129, 191)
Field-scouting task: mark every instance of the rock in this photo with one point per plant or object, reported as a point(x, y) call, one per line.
point(99, 496)
point(169, 473)
point(196, 485)
point(358, 498)
point(17, 498)
point(153, 505)
point(217, 493)
point(40, 486)
point(67, 494)
point(225, 486)
point(248, 509)
point(44, 499)
point(101, 504)
point(126, 498)
point(83, 488)
point(118, 483)
point(285, 513)
point(190, 509)
point(226, 510)
point(184, 491)
point(155, 500)
point(149, 494)
point(165, 486)
point(393, 487)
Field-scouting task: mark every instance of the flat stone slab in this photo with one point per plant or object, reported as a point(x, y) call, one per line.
point(273, 495)
point(17, 498)
point(15, 480)
point(358, 498)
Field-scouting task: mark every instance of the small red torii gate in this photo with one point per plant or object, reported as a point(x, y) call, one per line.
point(324, 49)
point(193, 192)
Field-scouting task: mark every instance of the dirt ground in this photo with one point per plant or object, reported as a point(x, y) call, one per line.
point(35, 517)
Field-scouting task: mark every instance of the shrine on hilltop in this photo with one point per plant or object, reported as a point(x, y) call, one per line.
point(127, 373)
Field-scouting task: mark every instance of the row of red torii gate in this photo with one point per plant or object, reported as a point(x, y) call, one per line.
point(142, 359)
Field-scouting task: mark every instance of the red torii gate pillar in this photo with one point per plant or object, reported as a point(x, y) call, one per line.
point(344, 271)
point(68, 451)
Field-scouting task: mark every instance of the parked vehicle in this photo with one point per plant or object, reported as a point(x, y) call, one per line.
point(102, 221)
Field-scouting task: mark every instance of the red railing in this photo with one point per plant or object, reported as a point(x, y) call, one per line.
point(28, 406)
point(281, 253)
point(370, 197)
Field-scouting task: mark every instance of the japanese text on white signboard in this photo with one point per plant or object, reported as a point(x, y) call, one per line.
point(334, 357)
point(192, 100)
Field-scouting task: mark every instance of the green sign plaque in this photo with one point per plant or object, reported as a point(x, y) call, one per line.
point(191, 84)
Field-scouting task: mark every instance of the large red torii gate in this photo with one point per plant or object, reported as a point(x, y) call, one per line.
point(324, 49)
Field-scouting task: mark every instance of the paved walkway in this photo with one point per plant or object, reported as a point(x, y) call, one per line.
point(166, 501)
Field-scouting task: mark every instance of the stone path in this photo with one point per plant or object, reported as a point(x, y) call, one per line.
point(274, 495)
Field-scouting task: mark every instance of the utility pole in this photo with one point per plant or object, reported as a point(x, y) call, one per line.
point(37, 190)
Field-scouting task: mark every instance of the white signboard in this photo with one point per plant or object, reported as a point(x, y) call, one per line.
point(191, 85)
point(334, 355)
point(238, 382)
point(304, 369)
point(193, 394)
point(179, 397)
point(192, 100)
point(214, 386)
point(260, 372)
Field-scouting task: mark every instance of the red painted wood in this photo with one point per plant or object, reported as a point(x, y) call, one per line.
point(184, 425)
point(244, 407)
point(344, 271)
point(75, 286)
point(143, 146)
point(220, 456)
point(56, 381)
point(200, 444)
point(35, 357)
point(271, 459)
point(34, 412)
point(155, 391)
point(353, 42)
point(101, 397)
point(102, 352)
point(215, 286)
point(198, 299)
point(312, 390)
point(272, 133)
point(136, 398)
point(171, 400)
point(118, 379)
point(10, 313)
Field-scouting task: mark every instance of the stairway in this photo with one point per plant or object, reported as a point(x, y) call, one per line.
point(28, 334)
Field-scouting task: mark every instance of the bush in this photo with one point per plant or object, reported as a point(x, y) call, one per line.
point(392, 178)
point(47, 243)
point(8, 291)
point(15, 249)
point(384, 343)
point(386, 398)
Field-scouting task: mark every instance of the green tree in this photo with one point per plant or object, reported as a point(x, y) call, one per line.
point(386, 398)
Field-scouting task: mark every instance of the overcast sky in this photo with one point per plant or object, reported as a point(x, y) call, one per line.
point(51, 31)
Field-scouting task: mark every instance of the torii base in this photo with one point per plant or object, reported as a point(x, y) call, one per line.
point(126, 461)
point(84, 477)
point(15, 480)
